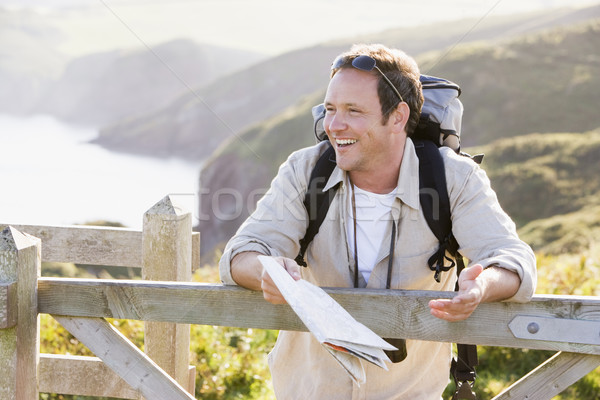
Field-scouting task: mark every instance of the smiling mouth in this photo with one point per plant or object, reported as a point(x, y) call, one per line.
point(345, 142)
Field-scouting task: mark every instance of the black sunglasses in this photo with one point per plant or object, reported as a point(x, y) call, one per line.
point(364, 63)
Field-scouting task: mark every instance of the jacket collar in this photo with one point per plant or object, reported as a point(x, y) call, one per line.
point(408, 180)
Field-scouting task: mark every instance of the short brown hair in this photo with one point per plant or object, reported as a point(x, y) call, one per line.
point(401, 69)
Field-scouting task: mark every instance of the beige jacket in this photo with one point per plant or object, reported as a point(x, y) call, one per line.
point(300, 367)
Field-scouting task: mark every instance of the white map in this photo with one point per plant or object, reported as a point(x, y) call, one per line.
point(345, 338)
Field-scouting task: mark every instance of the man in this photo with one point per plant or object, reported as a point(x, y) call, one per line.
point(373, 103)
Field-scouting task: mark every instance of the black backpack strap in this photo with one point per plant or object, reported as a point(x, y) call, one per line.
point(463, 371)
point(316, 200)
point(435, 203)
point(463, 366)
point(433, 196)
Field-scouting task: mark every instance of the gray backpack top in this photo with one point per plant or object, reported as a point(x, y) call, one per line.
point(441, 115)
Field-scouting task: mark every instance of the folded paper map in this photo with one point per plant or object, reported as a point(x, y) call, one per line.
point(345, 338)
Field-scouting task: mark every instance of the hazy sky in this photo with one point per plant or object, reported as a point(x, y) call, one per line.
point(267, 26)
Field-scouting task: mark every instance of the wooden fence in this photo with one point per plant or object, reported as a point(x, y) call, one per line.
point(166, 250)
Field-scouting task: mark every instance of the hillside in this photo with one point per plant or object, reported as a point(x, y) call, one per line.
point(563, 92)
point(549, 184)
point(38, 75)
point(196, 123)
point(545, 82)
point(102, 88)
point(28, 59)
point(245, 167)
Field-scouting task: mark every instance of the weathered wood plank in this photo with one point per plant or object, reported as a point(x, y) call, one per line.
point(123, 357)
point(8, 304)
point(96, 245)
point(552, 377)
point(88, 244)
point(167, 256)
point(162, 301)
point(390, 313)
point(86, 376)
point(19, 345)
point(83, 376)
point(195, 250)
point(191, 383)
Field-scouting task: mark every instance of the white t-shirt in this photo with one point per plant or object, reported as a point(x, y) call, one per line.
point(373, 214)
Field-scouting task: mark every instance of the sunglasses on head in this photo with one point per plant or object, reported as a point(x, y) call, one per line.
point(364, 63)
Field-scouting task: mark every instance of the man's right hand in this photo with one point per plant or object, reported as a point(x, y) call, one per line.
point(270, 291)
point(247, 271)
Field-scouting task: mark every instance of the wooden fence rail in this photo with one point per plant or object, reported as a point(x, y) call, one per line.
point(389, 313)
point(569, 325)
point(95, 245)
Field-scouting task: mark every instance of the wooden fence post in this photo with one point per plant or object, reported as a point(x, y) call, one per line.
point(167, 256)
point(20, 261)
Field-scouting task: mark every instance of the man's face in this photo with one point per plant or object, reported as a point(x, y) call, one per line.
point(353, 122)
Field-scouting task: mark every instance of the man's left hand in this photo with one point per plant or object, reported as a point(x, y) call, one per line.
point(476, 286)
point(467, 299)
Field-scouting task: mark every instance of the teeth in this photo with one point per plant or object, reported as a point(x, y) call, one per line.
point(345, 141)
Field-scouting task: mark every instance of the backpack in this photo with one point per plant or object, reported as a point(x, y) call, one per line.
point(439, 125)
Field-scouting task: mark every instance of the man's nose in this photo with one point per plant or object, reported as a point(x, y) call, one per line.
point(335, 123)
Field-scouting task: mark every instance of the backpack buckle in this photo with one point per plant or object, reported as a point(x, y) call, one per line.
point(463, 372)
point(464, 391)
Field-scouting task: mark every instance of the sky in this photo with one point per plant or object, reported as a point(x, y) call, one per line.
point(265, 26)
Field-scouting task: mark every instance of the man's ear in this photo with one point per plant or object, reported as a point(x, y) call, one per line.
point(399, 117)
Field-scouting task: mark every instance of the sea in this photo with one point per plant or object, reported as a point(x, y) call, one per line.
point(50, 174)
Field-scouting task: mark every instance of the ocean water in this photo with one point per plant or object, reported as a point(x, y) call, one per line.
point(51, 175)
